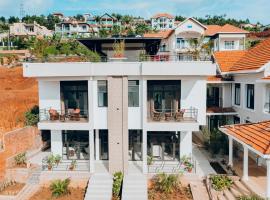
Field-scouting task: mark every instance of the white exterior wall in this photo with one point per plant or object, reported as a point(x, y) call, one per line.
point(56, 142)
point(227, 95)
point(237, 38)
point(185, 144)
point(49, 95)
point(258, 113)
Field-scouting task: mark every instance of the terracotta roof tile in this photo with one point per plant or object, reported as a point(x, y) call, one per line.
point(256, 135)
point(255, 57)
point(252, 59)
point(226, 59)
point(161, 34)
point(227, 28)
point(266, 78)
point(163, 15)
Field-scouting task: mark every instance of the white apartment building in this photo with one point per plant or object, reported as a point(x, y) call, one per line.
point(162, 21)
point(121, 112)
point(23, 29)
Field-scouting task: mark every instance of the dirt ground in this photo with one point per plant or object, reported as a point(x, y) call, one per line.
point(17, 95)
point(12, 189)
point(45, 194)
point(180, 193)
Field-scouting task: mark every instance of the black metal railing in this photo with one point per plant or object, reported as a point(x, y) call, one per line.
point(68, 115)
point(173, 115)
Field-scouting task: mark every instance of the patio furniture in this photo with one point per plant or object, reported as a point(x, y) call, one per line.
point(156, 116)
point(179, 116)
point(156, 151)
point(54, 115)
point(75, 115)
point(62, 117)
point(168, 116)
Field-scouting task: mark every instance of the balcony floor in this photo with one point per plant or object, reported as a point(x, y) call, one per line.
point(82, 120)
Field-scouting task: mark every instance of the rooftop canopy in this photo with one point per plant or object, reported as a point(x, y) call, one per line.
point(254, 135)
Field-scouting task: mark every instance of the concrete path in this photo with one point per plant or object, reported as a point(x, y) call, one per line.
point(99, 187)
point(134, 187)
point(203, 167)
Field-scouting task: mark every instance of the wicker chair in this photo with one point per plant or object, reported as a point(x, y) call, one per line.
point(75, 116)
point(156, 115)
point(179, 116)
point(168, 116)
point(54, 115)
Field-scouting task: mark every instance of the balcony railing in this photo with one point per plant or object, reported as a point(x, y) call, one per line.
point(141, 58)
point(169, 115)
point(70, 115)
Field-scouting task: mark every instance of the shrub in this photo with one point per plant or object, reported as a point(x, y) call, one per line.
point(20, 159)
point(252, 197)
point(166, 183)
point(60, 187)
point(117, 183)
point(221, 182)
point(32, 116)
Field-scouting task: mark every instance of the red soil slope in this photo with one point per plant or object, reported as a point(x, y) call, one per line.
point(17, 95)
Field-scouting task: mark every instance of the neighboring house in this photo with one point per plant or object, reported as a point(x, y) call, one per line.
point(241, 92)
point(107, 21)
point(23, 29)
point(162, 21)
point(119, 113)
point(180, 43)
point(74, 28)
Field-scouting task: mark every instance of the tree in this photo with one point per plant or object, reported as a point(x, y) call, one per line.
point(32, 116)
point(116, 30)
point(141, 29)
point(51, 21)
point(117, 16)
point(3, 19)
point(79, 17)
point(103, 33)
point(13, 19)
point(127, 19)
point(180, 18)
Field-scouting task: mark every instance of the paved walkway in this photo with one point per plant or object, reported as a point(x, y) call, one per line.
point(99, 187)
point(203, 167)
point(134, 187)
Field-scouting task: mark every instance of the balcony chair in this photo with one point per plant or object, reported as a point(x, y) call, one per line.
point(168, 116)
point(156, 115)
point(75, 115)
point(179, 115)
point(54, 115)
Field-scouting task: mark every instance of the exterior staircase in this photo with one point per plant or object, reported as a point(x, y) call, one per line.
point(239, 188)
point(134, 187)
point(99, 187)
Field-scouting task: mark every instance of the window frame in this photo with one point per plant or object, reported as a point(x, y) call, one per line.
point(250, 96)
point(137, 85)
point(105, 102)
point(229, 44)
point(239, 98)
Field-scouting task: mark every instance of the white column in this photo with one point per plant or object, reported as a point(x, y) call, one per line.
point(230, 151)
point(245, 164)
point(185, 143)
point(268, 179)
point(56, 142)
point(144, 151)
point(97, 144)
point(91, 151)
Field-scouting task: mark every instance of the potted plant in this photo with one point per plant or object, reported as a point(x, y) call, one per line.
point(189, 167)
point(73, 165)
point(149, 160)
point(50, 162)
point(57, 159)
point(119, 48)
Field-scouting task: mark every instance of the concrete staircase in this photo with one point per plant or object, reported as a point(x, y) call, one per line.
point(238, 188)
point(99, 187)
point(134, 187)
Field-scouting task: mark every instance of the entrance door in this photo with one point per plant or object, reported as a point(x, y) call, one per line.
point(103, 140)
point(75, 145)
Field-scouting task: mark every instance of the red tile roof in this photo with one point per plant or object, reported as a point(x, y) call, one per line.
point(161, 34)
point(227, 28)
point(255, 57)
point(256, 135)
point(226, 59)
point(163, 15)
point(252, 59)
point(266, 78)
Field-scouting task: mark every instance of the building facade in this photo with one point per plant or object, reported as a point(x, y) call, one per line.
point(162, 21)
point(23, 29)
point(121, 112)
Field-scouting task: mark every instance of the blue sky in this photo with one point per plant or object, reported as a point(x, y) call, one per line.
point(241, 9)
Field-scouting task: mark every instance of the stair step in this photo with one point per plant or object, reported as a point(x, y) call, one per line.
point(229, 195)
point(240, 187)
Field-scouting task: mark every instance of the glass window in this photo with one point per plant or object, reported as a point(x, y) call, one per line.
point(181, 43)
point(133, 94)
point(267, 99)
point(102, 94)
point(250, 96)
point(237, 93)
point(229, 44)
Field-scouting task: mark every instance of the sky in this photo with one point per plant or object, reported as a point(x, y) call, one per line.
point(256, 11)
